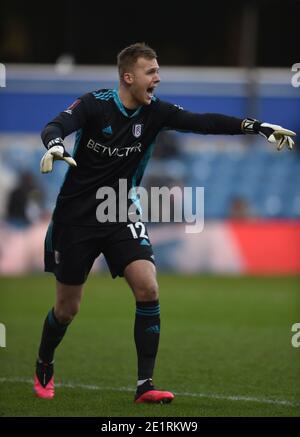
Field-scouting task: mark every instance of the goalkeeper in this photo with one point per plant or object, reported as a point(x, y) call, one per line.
point(115, 133)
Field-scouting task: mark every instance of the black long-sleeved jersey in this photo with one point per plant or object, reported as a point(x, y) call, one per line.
point(114, 143)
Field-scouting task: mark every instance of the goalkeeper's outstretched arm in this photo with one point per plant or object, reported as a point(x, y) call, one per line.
point(218, 124)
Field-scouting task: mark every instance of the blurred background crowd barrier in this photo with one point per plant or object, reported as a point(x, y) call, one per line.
point(252, 192)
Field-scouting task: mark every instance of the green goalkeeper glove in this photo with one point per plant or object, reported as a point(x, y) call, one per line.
point(272, 132)
point(56, 151)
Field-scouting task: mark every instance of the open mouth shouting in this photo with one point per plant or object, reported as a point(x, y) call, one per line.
point(150, 92)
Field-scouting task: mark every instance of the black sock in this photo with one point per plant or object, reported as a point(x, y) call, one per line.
point(146, 336)
point(53, 333)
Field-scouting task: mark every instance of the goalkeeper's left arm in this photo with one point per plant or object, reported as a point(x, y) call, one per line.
point(218, 124)
point(272, 132)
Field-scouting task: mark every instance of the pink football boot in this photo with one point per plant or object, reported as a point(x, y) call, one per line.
point(44, 380)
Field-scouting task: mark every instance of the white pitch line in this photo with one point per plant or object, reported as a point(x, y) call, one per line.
point(188, 394)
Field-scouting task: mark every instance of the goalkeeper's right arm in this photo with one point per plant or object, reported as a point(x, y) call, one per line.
point(63, 125)
point(56, 151)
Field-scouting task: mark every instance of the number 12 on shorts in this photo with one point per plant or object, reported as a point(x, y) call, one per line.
point(138, 230)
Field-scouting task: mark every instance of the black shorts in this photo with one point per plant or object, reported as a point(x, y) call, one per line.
point(70, 251)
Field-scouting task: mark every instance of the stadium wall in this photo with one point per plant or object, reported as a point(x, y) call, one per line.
point(251, 247)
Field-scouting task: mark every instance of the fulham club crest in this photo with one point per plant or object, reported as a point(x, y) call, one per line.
point(137, 130)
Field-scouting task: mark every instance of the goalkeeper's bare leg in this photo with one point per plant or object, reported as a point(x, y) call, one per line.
point(141, 277)
point(68, 298)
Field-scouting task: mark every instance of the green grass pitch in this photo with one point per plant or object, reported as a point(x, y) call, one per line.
point(225, 348)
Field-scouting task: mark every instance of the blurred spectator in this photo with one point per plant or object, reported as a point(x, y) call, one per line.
point(25, 201)
point(167, 146)
point(7, 181)
point(240, 209)
point(166, 169)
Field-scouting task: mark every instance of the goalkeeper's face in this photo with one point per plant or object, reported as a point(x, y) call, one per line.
point(144, 78)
